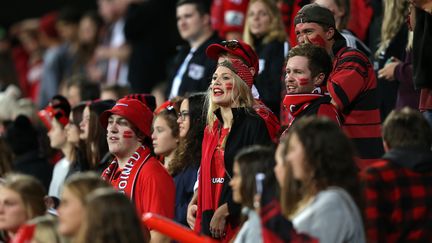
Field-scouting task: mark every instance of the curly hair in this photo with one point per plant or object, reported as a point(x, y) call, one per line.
point(188, 152)
point(329, 161)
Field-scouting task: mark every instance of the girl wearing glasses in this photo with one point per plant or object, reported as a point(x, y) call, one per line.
point(232, 124)
point(184, 167)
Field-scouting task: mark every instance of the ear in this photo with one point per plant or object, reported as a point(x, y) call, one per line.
point(330, 33)
point(319, 79)
point(386, 146)
point(252, 70)
point(206, 19)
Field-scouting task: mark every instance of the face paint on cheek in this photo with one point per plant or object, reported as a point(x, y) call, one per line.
point(229, 86)
point(303, 81)
point(127, 134)
point(318, 40)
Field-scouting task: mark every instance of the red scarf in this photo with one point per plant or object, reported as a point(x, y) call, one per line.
point(212, 175)
point(125, 182)
point(296, 103)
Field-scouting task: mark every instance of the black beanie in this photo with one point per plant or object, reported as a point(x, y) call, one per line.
point(101, 105)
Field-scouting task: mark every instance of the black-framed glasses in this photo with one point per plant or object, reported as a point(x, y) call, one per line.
point(234, 44)
point(183, 115)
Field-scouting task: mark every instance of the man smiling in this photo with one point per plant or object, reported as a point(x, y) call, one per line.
point(307, 70)
point(352, 83)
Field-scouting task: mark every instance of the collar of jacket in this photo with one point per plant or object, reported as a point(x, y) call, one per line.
point(239, 114)
point(414, 158)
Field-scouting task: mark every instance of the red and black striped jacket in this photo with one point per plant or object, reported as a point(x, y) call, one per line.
point(398, 197)
point(353, 86)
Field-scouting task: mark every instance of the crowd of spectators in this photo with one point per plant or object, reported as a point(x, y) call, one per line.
point(241, 121)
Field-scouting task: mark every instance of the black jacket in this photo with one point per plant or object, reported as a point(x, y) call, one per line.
point(199, 71)
point(248, 129)
point(34, 164)
point(269, 80)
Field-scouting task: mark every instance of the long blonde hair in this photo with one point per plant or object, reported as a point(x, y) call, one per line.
point(395, 13)
point(276, 30)
point(244, 98)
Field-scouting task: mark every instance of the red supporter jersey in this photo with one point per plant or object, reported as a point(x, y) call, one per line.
point(154, 189)
point(353, 86)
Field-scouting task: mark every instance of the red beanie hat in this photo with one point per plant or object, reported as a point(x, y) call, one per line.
point(134, 111)
point(58, 108)
point(236, 48)
point(240, 69)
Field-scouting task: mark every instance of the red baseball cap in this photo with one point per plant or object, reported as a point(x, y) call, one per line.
point(236, 48)
point(58, 108)
point(134, 111)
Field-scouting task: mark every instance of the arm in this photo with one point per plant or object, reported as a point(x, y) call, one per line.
point(156, 237)
point(191, 211)
point(218, 221)
point(426, 5)
point(348, 79)
point(403, 71)
point(122, 53)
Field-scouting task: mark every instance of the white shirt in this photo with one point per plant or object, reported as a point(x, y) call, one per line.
point(59, 175)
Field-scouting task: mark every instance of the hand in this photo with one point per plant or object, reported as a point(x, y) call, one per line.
point(191, 215)
point(102, 53)
point(218, 221)
point(423, 4)
point(387, 72)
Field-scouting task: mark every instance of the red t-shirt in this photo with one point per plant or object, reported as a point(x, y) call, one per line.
point(154, 189)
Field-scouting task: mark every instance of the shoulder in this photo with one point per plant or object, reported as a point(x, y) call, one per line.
point(154, 170)
point(383, 171)
point(352, 56)
point(331, 197)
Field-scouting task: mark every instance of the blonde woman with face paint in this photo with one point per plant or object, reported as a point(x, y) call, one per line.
point(232, 124)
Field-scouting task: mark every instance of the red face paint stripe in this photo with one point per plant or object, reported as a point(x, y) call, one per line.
point(127, 134)
point(303, 81)
point(229, 86)
point(318, 40)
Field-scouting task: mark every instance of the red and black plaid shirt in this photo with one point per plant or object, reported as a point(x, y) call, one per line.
point(398, 203)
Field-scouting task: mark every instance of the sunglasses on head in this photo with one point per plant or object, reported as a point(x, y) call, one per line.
point(234, 44)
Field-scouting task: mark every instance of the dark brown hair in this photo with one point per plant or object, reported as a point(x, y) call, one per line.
point(253, 160)
point(329, 160)
point(110, 217)
point(318, 59)
point(407, 128)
